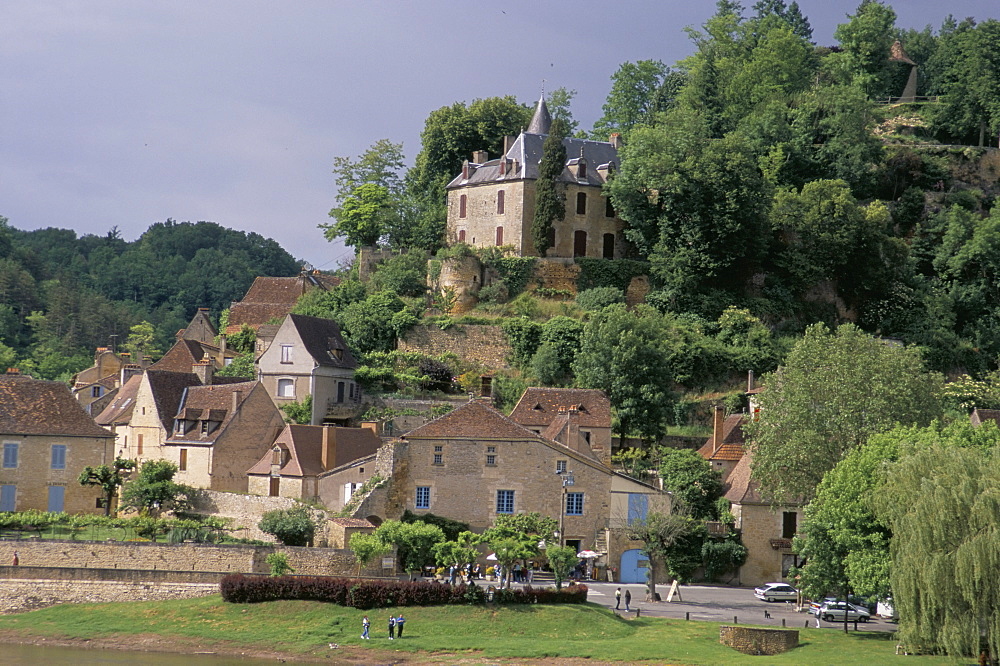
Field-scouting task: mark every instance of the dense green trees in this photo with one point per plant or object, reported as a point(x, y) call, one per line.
point(154, 490)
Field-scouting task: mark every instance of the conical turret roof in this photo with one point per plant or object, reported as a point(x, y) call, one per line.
point(541, 122)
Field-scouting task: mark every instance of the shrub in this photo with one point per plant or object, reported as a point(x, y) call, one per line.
point(599, 298)
point(292, 527)
point(279, 564)
point(367, 594)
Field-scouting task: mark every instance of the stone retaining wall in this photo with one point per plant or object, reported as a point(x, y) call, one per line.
point(178, 557)
point(18, 596)
point(479, 343)
point(750, 640)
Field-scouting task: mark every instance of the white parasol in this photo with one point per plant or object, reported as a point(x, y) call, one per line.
point(588, 555)
point(492, 557)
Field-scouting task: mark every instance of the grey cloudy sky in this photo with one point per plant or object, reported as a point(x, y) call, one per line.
point(124, 113)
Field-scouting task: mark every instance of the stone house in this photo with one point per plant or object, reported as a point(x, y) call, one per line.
point(766, 530)
point(492, 202)
point(274, 297)
point(306, 462)
point(96, 382)
point(218, 431)
point(725, 448)
point(474, 464)
point(308, 357)
point(47, 439)
point(577, 418)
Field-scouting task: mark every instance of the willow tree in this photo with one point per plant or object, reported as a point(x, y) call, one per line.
point(943, 505)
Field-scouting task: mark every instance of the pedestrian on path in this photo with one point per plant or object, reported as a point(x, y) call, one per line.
point(366, 624)
point(618, 598)
point(392, 626)
point(400, 621)
point(17, 560)
point(628, 600)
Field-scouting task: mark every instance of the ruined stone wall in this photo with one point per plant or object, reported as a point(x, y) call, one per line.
point(749, 640)
point(245, 510)
point(558, 274)
point(477, 343)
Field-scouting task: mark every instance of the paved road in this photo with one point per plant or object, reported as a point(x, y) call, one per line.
point(721, 604)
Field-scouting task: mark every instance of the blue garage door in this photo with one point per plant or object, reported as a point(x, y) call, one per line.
point(634, 567)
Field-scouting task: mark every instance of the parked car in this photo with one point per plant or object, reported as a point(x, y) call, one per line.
point(776, 592)
point(833, 611)
point(860, 602)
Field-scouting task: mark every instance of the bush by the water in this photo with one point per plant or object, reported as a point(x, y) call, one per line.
point(364, 594)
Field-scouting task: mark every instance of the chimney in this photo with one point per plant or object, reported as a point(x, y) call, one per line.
point(720, 417)
point(222, 349)
point(749, 381)
point(480, 156)
point(129, 370)
point(205, 369)
point(615, 140)
point(370, 425)
point(503, 166)
point(13, 371)
point(466, 170)
point(508, 142)
point(237, 397)
point(97, 354)
point(329, 450)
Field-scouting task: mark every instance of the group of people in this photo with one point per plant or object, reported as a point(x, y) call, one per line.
point(396, 624)
point(618, 599)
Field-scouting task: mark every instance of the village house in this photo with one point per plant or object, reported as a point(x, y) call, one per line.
point(492, 201)
point(324, 464)
point(308, 357)
point(197, 342)
point(218, 431)
point(47, 440)
point(474, 464)
point(577, 418)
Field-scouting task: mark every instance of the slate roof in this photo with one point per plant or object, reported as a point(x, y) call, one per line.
point(472, 420)
point(168, 389)
point(733, 441)
point(274, 297)
point(304, 444)
point(213, 403)
point(37, 407)
point(119, 412)
point(540, 407)
point(321, 338)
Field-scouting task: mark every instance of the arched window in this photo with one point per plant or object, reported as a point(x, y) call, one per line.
point(581, 203)
point(462, 204)
point(286, 388)
point(461, 235)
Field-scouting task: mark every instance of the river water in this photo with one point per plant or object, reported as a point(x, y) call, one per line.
point(60, 656)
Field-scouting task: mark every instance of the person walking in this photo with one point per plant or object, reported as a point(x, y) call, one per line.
point(400, 621)
point(366, 624)
point(628, 600)
point(618, 598)
point(392, 626)
point(17, 560)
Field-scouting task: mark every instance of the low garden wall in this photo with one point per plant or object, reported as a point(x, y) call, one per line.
point(750, 640)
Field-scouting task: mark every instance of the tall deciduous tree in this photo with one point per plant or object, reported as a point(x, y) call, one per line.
point(363, 217)
point(550, 196)
point(967, 66)
point(639, 90)
point(865, 41)
point(692, 480)
point(835, 390)
point(154, 490)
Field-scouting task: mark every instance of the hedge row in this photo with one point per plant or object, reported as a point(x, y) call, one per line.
point(365, 594)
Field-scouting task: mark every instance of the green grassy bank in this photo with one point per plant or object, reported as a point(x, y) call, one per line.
point(525, 632)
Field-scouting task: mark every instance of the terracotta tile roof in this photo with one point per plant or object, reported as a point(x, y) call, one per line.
point(540, 406)
point(742, 490)
point(186, 353)
point(472, 420)
point(352, 522)
point(119, 412)
point(273, 297)
point(733, 441)
point(304, 444)
point(37, 407)
point(322, 340)
point(980, 416)
point(213, 403)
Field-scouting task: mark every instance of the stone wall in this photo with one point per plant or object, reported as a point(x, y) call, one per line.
point(557, 274)
point(18, 596)
point(749, 640)
point(178, 557)
point(477, 343)
point(244, 510)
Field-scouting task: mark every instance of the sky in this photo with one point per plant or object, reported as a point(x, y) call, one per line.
point(117, 113)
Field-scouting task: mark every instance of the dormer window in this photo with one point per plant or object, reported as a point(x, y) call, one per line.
point(581, 171)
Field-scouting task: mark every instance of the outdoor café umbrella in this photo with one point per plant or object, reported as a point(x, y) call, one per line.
point(587, 555)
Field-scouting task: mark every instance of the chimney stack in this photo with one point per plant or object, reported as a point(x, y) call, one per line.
point(480, 156)
point(205, 370)
point(615, 140)
point(328, 452)
point(237, 398)
point(128, 371)
point(717, 423)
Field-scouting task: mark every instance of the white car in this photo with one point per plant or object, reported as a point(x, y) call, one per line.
point(776, 592)
point(833, 611)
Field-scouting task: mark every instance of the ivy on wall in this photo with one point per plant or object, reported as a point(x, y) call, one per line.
point(616, 273)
